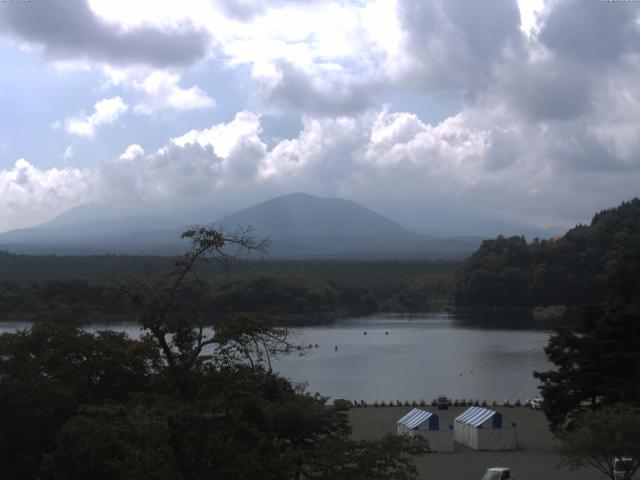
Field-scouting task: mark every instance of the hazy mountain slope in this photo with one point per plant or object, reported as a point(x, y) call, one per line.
point(299, 225)
point(299, 214)
point(105, 224)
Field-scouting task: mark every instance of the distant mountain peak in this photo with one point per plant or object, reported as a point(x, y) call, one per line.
point(303, 215)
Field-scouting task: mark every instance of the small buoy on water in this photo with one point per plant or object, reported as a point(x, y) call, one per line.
point(386, 333)
point(365, 332)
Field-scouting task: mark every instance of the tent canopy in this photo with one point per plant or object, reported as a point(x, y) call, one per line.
point(477, 416)
point(485, 429)
point(417, 418)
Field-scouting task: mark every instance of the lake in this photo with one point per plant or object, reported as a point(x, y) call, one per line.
point(412, 357)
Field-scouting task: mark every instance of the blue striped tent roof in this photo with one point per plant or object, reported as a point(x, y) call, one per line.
point(475, 416)
point(415, 418)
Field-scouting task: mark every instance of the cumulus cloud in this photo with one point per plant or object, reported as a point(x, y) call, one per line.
point(477, 159)
point(71, 30)
point(161, 91)
point(29, 195)
point(199, 163)
point(546, 131)
point(106, 112)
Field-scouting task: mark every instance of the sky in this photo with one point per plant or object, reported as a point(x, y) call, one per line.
point(437, 113)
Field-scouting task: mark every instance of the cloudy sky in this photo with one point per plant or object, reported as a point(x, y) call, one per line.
point(433, 112)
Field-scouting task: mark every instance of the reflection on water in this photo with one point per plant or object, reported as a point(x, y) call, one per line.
point(410, 357)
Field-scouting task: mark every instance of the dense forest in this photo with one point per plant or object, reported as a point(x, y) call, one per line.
point(285, 292)
point(572, 270)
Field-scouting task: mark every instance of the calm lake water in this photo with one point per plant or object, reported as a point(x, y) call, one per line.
point(412, 357)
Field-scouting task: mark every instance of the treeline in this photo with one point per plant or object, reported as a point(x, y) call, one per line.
point(286, 292)
point(575, 269)
point(282, 300)
point(290, 299)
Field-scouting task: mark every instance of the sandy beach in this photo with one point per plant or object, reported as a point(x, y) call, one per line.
point(535, 459)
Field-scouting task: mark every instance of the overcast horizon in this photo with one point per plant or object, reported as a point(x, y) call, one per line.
point(431, 112)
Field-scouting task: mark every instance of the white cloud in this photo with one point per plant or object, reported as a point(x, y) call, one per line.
point(106, 112)
point(478, 160)
point(161, 91)
point(547, 110)
point(29, 195)
point(132, 152)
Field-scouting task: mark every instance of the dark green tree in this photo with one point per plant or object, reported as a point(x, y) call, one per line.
point(598, 361)
point(603, 438)
point(48, 372)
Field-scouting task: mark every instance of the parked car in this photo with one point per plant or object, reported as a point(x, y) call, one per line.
point(443, 402)
point(536, 403)
point(497, 473)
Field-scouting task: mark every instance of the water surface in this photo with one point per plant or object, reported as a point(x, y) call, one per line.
point(410, 357)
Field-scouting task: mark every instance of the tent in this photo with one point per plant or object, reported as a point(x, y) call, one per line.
point(484, 429)
point(427, 424)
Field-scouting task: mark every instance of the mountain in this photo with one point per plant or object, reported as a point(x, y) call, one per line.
point(302, 225)
point(299, 214)
point(104, 228)
point(299, 226)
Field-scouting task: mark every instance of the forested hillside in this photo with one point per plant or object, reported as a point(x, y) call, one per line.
point(572, 270)
point(287, 292)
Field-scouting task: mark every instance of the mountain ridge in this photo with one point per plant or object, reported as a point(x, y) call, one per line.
point(300, 226)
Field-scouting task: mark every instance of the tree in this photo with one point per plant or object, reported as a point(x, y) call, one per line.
point(48, 372)
point(179, 403)
point(603, 437)
point(598, 363)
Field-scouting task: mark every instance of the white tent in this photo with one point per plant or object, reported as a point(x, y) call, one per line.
point(427, 424)
point(483, 429)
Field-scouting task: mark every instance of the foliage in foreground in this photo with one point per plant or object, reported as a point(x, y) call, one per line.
point(176, 403)
point(602, 438)
point(598, 361)
point(592, 398)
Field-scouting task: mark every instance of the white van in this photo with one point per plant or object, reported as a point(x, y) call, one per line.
point(536, 403)
point(497, 473)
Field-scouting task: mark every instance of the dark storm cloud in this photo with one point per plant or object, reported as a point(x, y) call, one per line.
point(576, 150)
point(549, 90)
point(301, 91)
point(591, 30)
point(70, 30)
point(455, 44)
